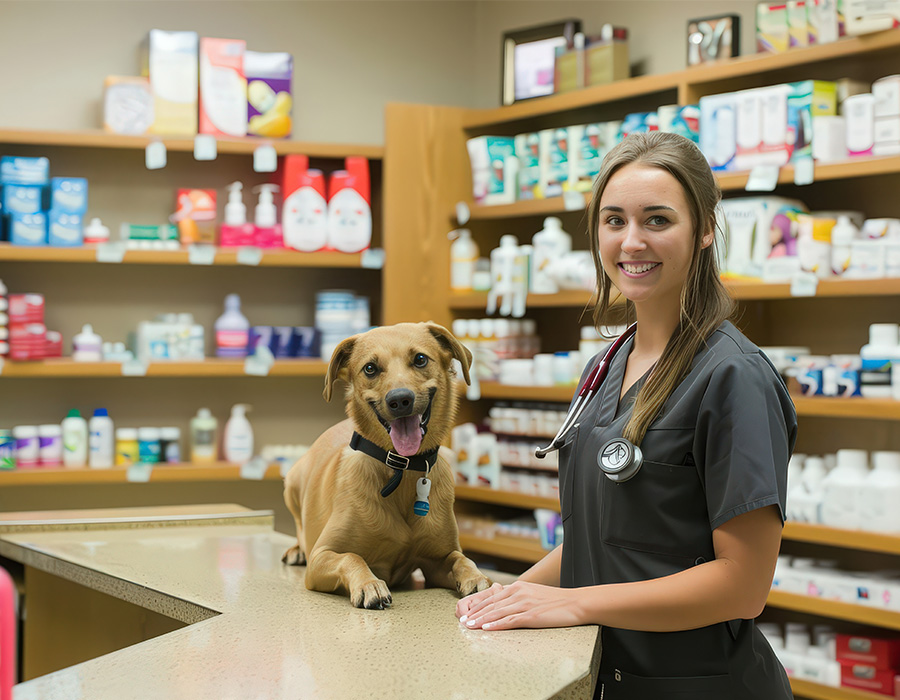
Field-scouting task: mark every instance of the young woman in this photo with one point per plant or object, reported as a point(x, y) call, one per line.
point(677, 560)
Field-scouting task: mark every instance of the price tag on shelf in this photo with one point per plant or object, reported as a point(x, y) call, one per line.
point(155, 155)
point(265, 159)
point(134, 368)
point(249, 255)
point(804, 171)
point(201, 254)
point(254, 469)
point(260, 362)
point(573, 201)
point(763, 178)
point(205, 147)
point(111, 252)
point(139, 473)
point(372, 258)
point(462, 213)
point(803, 284)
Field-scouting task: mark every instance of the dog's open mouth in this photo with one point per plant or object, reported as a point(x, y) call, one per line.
point(407, 432)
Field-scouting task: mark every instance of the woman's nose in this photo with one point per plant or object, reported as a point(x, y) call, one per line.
point(634, 239)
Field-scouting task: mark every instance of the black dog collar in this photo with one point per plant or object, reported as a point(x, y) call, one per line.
point(421, 462)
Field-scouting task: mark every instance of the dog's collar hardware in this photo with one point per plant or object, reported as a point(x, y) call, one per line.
point(420, 463)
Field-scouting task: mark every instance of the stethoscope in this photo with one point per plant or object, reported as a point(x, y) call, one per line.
point(619, 459)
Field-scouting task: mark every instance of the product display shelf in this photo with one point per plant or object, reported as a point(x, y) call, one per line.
point(478, 300)
point(102, 139)
point(480, 494)
point(849, 539)
point(510, 392)
point(515, 548)
point(211, 367)
point(269, 258)
point(817, 691)
point(864, 615)
point(218, 471)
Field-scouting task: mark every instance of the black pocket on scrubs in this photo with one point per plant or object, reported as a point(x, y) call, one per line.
point(567, 472)
point(625, 686)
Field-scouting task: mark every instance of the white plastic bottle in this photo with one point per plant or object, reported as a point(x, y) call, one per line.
point(463, 256)
point(203, 437)
point(266, 231)
point(102, 440)
point(237, 442)
point(75, 439)
point(349, 208)
point(503, 260)
point(95, 232)
point(232, 330)
point(304, 215)
point(841, 488)
point(842, 235)
point(814, 472)
point(550, 243)
point(880, 494)
point(882, 350)
point(87, 346)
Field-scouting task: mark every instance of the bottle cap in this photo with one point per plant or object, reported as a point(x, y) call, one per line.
point(855, 459)
point(148, 434)
point(168, 433)
point(886, 460)
point(126, 434)
point(204, 413)
point(73, 413)
point(101, 412)
point(884, 334)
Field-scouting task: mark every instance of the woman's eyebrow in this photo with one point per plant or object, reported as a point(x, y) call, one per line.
point(652, 207)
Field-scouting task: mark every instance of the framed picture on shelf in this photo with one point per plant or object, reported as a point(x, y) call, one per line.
point(711, 39)
point(529, 57)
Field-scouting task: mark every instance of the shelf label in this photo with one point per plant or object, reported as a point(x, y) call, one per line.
point(201, 254)
point(573, 201)
point(763, 178)
point(155, 155)
point(134, 368)
point(139, 473)
point(249, 255)
point(804, 171)
point(205, 147)
point(111, 252)
point(260, 362)
point(462, 213)
point(372, 258)
point(265, 159)
point(254, 469)
point(804, 284)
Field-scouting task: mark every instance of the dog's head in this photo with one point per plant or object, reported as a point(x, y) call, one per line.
point(400, 389)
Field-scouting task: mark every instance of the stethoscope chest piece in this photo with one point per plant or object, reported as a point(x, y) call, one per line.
point(619, 459)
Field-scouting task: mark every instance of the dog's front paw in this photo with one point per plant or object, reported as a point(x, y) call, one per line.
point(373, 595)
point(473, 584)
point(294, 556)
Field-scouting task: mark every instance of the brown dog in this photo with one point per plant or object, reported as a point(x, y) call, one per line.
point(402, 403)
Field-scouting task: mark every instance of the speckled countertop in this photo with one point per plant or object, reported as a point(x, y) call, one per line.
point(255, 632)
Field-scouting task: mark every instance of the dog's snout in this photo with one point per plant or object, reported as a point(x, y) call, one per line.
point(400, 402)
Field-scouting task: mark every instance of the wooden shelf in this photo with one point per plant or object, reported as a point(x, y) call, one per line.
point(876, 617)
point(516, 548)
point(220, 471)
point(830, 407)
point(481, 494)
point(478, 300)
point(529, 207)
point(817, 691)
point(270, 258)
point(211, 367)
point(556, 394)
point(102, 139)
point(834, 537)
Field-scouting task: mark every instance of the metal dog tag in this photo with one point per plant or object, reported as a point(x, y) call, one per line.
point(423, 488)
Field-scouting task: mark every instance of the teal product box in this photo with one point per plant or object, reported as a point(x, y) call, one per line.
point(28, 229)
point(528, 155)
point(24, 199)
point(64, 229)
point(69, 194)
point(687, 123)
point(17, 170)
point(806, 100)
point(639, 123)
point(494, 168)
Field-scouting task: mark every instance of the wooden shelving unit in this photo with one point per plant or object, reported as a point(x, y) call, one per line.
point(211, 367)
point(480, 494)
point(849, 539)
point(516, 548)
point(877, 617)
point(220, 471)
point(817, 691)
point(495, 390)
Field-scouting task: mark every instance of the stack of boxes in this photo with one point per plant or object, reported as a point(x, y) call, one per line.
point(798, 23)
point(29, 338)
point(886, 132)
point(869, 663)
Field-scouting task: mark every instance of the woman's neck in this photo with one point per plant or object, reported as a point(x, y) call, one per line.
point(655, 326)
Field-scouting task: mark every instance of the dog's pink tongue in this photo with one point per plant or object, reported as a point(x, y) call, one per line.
point(406, 435)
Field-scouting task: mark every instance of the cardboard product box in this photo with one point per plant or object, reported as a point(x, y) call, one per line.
point(798, 29)
point(878, 652)
point(867, 678)
point(866, 16)
point(127, 105)
point(772, 28)
point(807, 100)
point(270, 101)
point(606, 58)
point(761, 127)
point(822, 21)
point(568, 70)
point(170, 61)
point(527, 147)
point(223, 87)
point(718, 135)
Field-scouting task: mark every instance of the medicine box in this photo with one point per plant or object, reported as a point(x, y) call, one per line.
point(718, 137)
point(798, 30)
point(170, 61)
point(28, 229)
point(223, 87)
point(761, 127)
point(873, 651)
point(127, 105)
point(24, 199)
point(527, 148)
point(807, 100)
point(69, 194)
point(269, 99)
point(772, 28)
point(19, 170)
point(64, 229)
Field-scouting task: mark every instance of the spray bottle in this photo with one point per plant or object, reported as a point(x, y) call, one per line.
point(267, 232)
point(235, 231)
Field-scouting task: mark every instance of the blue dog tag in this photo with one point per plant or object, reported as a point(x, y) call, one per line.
point(423, 488)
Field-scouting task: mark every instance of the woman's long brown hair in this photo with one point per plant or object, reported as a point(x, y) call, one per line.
point(705, 303)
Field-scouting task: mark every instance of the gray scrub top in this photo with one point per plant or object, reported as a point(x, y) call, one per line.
point(719, 448)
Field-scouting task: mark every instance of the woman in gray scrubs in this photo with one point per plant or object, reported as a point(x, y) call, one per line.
point(677, 561)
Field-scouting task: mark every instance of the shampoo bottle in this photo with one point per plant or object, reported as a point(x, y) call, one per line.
point(235, 231)
point(880, 493)
point(267, 232)
point(349, 209)
point(304, 216)
point(102, 440)
point(237, 442)
point(232, 330)
point(842, 235)
point(841, 487)
point(463, 256)
point(203, 437)
point(75, 439)
point(550, 243)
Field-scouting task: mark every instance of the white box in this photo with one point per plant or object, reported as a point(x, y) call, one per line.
point(718, 131)
point(859, 116)
point(886, 91)
point(865, 16)
point(887, 136)
point(761, 127)
point(829, 143)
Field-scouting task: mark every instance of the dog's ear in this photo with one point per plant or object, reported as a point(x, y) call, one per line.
point(337, 368)
point(456, 349)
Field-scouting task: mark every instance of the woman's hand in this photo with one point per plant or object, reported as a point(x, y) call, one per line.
point(520, 604)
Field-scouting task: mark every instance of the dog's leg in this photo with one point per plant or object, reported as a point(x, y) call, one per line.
point(330, 571)
point(295, 556)
point(456, 571)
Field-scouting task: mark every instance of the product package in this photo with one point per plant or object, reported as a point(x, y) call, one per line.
point(798, 31)
point(223, 87)
point(806, 101)
point(127, 105)
point(554, 161)
point(69, 195)
point(772, 28)
point(269, 93)
point(761, 127)
point(494, 166)
point(195, 216)
point(866, 16)
point(19, 170)
point(589, 145)
point(717, 130)
point(170, 61)
point(528, 154)
point(759, 230)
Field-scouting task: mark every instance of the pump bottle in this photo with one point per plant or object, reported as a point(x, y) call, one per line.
point(304, 216)
point(237, 442)
point(235, 231)
point(267, 231)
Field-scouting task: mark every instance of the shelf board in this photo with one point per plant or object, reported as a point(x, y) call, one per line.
point(478, 300)
point(220, 471)
point(516, 548)
point(495, 390)
point(834, 537)
point(210, 367)
point(876, 617)
point(480, 494)
point(101, 139)
point(270, 258)
point(529, 207)
point(830, 407)
point(817, 691)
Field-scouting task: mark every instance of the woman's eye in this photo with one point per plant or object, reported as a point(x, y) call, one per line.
point(420, 360)
point(658, 221)
point(371, 369)
point(614, 221)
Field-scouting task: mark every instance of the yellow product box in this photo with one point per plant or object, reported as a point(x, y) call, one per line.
point(170, 61)
point(606, 61)
point(772, 27)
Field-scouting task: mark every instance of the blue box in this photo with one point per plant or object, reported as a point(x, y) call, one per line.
point(64, 229)
point(28, 229)
point(305, 342)
point(16, 170)
point(69, 194)
point(24, 199)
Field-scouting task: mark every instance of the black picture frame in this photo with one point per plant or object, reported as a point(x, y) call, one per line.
point(536, 45)
point(713, 39)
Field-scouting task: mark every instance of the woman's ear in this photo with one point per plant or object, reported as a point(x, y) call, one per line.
point(707, 240)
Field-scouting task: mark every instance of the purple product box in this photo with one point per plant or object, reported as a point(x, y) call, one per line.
point(265, 335)
point(269, 99)
point(306, 342)
point(283, 334)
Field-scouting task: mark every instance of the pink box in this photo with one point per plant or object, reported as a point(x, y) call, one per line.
point(26, 308)
point(881, 653)
point(27, 341)
point(223, 87)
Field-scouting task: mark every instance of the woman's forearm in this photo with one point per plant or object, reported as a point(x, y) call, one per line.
point(546, 571)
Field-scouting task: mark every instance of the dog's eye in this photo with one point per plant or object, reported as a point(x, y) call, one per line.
point(420, 360)
point(371, 369)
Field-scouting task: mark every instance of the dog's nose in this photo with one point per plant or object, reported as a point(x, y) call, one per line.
point(400, 402)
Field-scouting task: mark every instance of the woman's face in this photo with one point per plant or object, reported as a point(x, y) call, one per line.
point(646, 236)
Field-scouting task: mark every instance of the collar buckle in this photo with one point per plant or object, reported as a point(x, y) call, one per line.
point(395, 461)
